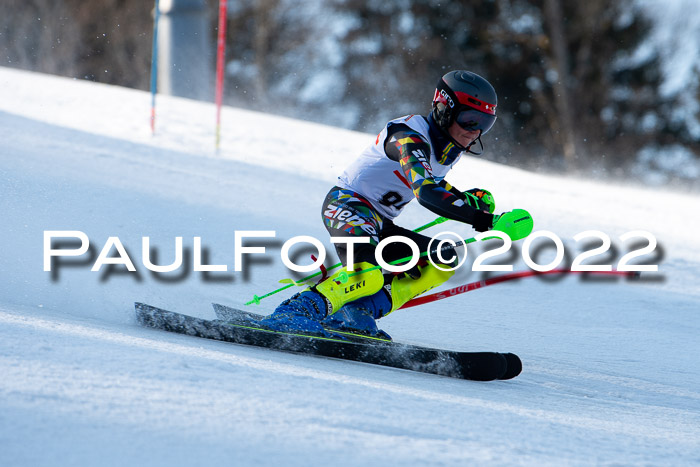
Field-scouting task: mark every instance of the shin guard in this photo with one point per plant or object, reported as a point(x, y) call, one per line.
point(404, 288)
point(338, 293)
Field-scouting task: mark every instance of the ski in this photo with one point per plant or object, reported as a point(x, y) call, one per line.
point(234, 315)
point(478, 366)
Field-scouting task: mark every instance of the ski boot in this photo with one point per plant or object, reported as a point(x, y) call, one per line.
point(359, 317)
point(302, 312)
point(305, 310)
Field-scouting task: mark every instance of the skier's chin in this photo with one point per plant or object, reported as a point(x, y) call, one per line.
point(463, 138)
point(465, 142)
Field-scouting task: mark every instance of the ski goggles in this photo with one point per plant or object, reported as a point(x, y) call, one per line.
point(472, 120)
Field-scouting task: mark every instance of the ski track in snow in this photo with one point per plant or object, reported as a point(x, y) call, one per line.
point(610, 367)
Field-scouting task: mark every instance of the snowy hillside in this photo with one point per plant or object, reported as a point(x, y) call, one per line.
point(611, 373)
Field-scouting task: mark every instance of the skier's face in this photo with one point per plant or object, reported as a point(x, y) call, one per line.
point(462, 136)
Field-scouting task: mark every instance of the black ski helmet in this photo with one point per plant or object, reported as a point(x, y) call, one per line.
point(466, 98)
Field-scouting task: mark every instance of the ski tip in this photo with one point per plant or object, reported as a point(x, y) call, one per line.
point(514, 366)
point(483, 366)
point(490, 366)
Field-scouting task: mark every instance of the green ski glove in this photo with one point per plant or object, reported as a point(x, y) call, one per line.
point(479, 198)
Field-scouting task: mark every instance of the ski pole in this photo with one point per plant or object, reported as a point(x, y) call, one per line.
point(437, 221)
point(291, 282)
point(343, 277)
point(517, 224)
point(504, 278)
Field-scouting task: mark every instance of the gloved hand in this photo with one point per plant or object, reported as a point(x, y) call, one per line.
point(483, 221)
point(481, 199)
point(517, 223)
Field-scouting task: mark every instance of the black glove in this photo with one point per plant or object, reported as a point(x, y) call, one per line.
point(483, 221)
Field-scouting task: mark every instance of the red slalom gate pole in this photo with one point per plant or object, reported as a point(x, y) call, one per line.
point(505, 278)
point(220, 65)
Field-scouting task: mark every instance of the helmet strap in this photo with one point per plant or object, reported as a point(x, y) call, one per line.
point(481, 151)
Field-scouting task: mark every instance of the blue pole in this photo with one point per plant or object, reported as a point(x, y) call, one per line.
point(154, 67)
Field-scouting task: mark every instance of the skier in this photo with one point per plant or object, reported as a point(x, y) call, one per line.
point(409, 159)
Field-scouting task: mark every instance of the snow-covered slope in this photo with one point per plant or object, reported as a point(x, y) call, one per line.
point(610, 367)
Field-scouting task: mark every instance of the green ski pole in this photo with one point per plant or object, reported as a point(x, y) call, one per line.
point(517, 223)
point(344, 276)
point(291, 282)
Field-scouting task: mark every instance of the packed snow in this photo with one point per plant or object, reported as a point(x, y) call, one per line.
point(611, 373)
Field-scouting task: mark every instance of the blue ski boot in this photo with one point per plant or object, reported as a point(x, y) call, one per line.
point(359, 316)
point(302, 312)
point(305, 310)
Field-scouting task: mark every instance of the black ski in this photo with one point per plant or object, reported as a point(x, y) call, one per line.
point(479, 366)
